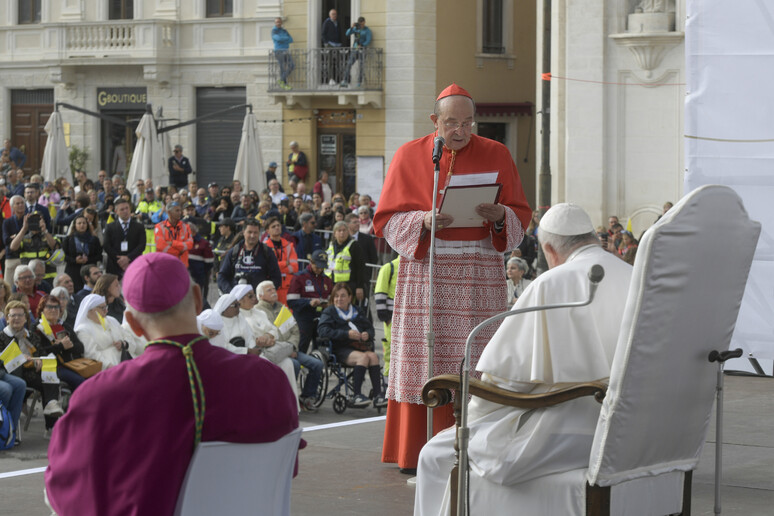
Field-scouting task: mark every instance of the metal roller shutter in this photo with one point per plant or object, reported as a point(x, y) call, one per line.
point(217, 138)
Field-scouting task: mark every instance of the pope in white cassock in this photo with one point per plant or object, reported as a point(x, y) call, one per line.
point(531, 353)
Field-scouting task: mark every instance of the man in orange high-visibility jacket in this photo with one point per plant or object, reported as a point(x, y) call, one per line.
point(173, 236)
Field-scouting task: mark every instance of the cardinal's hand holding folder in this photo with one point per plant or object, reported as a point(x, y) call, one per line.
point(488, 211)
point(442, 220)
point(491, 212)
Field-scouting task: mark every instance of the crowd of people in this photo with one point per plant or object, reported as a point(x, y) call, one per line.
point(266, 250)
point(291, 268)
point(65, 249)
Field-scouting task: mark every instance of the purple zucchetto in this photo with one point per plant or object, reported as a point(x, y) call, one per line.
point(155, 282)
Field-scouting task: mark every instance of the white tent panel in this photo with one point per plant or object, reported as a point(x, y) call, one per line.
point(730, 135)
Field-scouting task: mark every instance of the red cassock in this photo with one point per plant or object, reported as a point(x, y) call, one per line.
point(469, 278)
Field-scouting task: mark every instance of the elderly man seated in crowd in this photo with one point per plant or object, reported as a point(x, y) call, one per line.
point(289, 332)
point(531, 353)
point(24, 279)
point(139, 418)
point(38, 267)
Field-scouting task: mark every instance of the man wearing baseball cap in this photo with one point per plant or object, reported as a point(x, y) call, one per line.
point(308, 294)
point(271, 173)
point(128, 436)
point(532, 353)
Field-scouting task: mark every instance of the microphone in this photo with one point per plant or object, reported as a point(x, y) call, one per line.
point(438, 144)
point(596, 274)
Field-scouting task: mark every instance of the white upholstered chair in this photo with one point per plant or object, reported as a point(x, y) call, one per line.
point(687, 286)
point(240, 479)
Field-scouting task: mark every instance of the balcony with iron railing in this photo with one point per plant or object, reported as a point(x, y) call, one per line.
point(353, 76)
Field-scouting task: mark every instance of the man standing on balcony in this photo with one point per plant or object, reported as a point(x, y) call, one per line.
point(282, 40)
point(362, 40)
point(331, 38)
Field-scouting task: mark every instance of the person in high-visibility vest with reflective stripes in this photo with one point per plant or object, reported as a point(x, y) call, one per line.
point(285, 251)
point(346, 263)
point(384, 296)
point(33, 239)
point(146, 208)
point(173, 236)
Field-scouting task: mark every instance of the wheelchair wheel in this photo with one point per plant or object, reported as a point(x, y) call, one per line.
point(322, 388)
point(339, 404)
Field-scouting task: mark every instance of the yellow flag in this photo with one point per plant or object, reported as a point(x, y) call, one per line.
point(629, 225)
point(12, 356)
point(282, 316)
point(284, 320)
point(48, 371)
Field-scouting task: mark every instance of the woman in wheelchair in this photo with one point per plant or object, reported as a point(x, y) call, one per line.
point(352, 337)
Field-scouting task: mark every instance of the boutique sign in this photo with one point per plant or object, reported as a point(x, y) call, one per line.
point(122, 98)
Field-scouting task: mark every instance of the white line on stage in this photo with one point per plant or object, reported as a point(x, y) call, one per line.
point(345, 423)
point(32, 471)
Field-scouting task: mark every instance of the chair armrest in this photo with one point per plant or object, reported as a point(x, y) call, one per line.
point(437, 392)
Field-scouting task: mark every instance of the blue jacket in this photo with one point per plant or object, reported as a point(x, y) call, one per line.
point(330, 33)
point(17, 156)
point(362, 36)
point(282, 38)
point(255, 266)
point(301, 247)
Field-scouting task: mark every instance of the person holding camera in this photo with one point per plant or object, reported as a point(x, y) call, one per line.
point(363, 38)
point(67, 213)
point(31, 196)
point(31, 240)
point(250, 262)
point(12, 226)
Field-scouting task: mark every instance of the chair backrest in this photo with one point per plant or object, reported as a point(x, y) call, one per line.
point(686, 289)
point(236, 478)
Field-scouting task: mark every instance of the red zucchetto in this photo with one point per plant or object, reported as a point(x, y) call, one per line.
point(453, 89)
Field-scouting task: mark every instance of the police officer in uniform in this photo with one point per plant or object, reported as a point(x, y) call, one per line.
point(308, 295)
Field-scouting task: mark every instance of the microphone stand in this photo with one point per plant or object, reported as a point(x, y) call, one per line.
point(431, 288)
point(596, 273)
